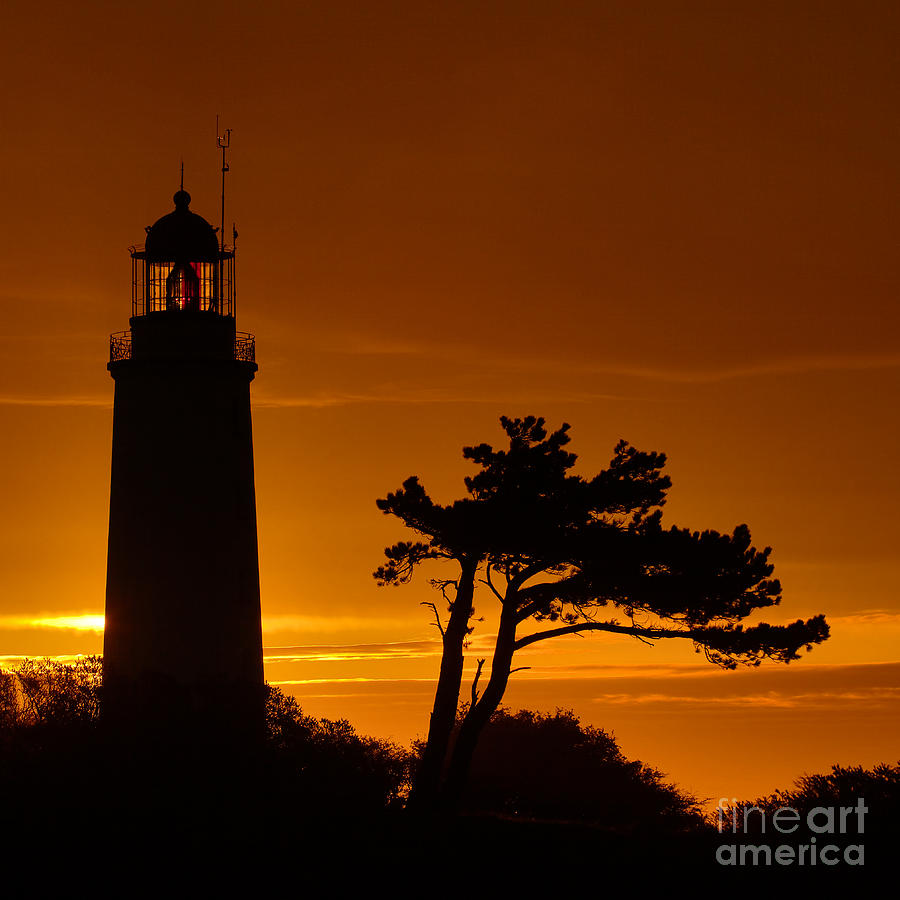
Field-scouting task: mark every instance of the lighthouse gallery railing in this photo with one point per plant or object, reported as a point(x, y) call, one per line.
point(120, 346)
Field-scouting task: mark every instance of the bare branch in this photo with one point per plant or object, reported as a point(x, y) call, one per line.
point(490, 583)
point(443, 584)
point(437, 618)
point(475, 683)
point(519, 669)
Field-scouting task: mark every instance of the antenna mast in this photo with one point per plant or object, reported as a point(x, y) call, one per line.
point(224, 142)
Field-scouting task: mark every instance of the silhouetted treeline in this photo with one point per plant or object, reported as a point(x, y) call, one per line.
point(842, 788)
point(543, 786)
point(533, 765)
point(325, 764)
point(56, 753)
point(43, 695)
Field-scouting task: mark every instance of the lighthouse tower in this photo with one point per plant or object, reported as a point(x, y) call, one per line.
point(183, 638)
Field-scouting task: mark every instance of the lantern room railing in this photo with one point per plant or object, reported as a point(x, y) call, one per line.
point(120, 347)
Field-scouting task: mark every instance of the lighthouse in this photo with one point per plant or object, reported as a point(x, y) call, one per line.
point(182, 640)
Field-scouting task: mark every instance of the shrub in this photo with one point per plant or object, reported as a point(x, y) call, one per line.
point(551, 767)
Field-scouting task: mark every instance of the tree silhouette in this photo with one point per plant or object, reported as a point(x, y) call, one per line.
point(323, 764)
point(550, 767)
point(556, 549)
point(511, 513)
point(50, 693)
point(842, 787)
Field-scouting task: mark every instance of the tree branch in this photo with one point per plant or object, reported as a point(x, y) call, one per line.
point(475, 683)
point(490, 584)
point(725, 646)
point(437, 618)
point(633, 630)
point(528, 572)
point(539, 595)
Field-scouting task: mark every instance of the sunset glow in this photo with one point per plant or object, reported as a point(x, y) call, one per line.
point(86, 622)
point(674, 227)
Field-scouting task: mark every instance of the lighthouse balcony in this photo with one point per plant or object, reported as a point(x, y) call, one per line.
point(244, 347)
point(189, 344)
point(119, 346)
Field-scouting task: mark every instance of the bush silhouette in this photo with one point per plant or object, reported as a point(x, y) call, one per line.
point(326, 764)
point(49, 693)
point(551, 767)
point(843, 786)
point(56, 755)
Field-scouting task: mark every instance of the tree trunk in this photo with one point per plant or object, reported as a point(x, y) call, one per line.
point(424, 793)
point(480, 713)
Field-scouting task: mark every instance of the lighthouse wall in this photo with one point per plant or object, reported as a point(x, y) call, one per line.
point(182, 600)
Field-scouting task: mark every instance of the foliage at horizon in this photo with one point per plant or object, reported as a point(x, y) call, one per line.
point(50, 740)
point(551, 767)
point(843, 786)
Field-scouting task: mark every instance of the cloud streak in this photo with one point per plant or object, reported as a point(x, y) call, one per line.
point(801, 364)
point(425, 395)
point(353, 652)
point(84, 622)
point(290, 622)
point(870, 696)
point(100, 402)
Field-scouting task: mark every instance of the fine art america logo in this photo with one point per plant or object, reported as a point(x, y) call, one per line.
point(813, 841)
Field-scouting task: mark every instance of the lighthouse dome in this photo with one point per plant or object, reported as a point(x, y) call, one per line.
point(181, 236)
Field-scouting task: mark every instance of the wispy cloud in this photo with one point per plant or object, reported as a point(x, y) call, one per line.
point(105, 402)
point(801, 365)
point(93, 621)
point(361, 344)
point(290, 622)
point(14, 659)
point(866, 617)
point(871, 696)
point(353, 652)
point(426, 395)
point(823, 693)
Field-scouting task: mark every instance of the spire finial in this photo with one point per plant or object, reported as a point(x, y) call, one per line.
point(182, 174)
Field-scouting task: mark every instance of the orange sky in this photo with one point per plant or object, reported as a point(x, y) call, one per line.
point(672, 223)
